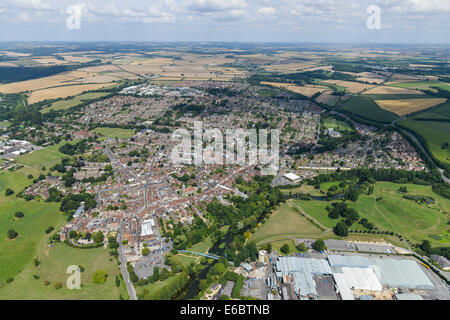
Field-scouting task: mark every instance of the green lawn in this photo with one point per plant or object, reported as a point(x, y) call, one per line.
point(54, 263)
point(336, 124)
point(393, 213)
point(115, 133)
point(285, 222)
point(5, 123)
point(66, 104)
point(435, 133)
point(46, 156)
point(15, 254)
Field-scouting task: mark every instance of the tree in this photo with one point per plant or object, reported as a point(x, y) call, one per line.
point(58, 285)
point(145, 252)
point(285, 248)
point(117, 281)
point(9, 192)
point(319, 245)
point(12, 234)
point(98, 237)
point(49, 229)
point(301, 247)
point(72, 234)
point(341, 229)
point(19, 214)
point(99, 277)
point(425, 246)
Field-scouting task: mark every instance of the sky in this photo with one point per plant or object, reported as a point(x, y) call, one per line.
point(333, 21)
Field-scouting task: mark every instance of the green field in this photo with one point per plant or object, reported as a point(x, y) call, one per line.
point(15, 254)
point(393, 213)
point(336, 124)
point(285, 222)
point(54, 263)
point(440, 112)
point(46, 156)
point(435, 133)
point(5, 123)
point(114, 132)
point(368, 109)
point(421, 85)
point(77, 100)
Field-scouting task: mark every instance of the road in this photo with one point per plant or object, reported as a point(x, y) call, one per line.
point(123, 267)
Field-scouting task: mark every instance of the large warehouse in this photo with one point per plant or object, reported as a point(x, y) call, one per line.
point(390, 272)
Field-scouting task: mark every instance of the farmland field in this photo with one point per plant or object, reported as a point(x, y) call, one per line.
point(64, 91)
point(407, 106)
point(435, 133)
point(66, 104)
point(306, 90)
point(420, 85)
point(392, 90)
point(366, 108)
point(352, 87)
point(440, 112)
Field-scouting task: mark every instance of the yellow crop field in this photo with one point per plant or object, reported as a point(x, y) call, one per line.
point(289, 67)
point(307, 90)
point(407, 106)
point(392, 90)
point(63, 92)
point(46, 82)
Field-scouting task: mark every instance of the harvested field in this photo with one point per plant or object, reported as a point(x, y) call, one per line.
point(46, 82)
point(307, 90)
point(403, 77)
point(327, 98)
point(63, 92)
point(407, 106)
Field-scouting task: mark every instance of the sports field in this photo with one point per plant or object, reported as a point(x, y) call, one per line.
point(114, 132)
point(46, 156)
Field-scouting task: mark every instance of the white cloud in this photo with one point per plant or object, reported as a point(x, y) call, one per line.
point(29, 4)
point(208, 6)
point(266, 11)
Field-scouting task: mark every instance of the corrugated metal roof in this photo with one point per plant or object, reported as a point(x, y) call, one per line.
point(342, 286)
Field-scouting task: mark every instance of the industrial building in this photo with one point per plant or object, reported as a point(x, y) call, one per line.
point(351, 277)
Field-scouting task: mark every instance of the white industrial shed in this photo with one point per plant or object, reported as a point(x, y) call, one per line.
point(342, 287)
point(390, 272)
point(401, 273)
point(362, 279)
